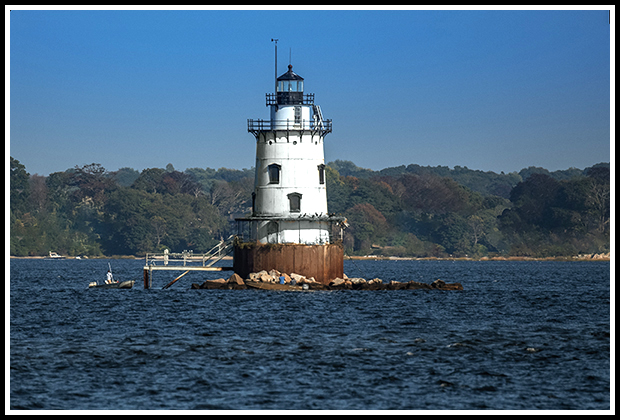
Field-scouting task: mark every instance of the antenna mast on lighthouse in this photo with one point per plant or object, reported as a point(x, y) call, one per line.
point(276, 72)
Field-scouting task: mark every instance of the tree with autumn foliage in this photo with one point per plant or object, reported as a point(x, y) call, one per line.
point(408, 211)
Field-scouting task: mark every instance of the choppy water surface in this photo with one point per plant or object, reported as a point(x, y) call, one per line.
point(521, 336)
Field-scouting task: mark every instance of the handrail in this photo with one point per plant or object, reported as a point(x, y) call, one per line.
point(324, 126)
point(215, 254)
point(247, 228)
point(272, 99)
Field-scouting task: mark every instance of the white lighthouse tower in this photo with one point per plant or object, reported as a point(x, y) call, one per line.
point(290, 200)
point(289, 203)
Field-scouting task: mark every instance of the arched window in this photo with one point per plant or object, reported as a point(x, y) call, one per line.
point(274, 173)
point(294, 202)
point(272, 227)
point(272, 232)
point(321, 174)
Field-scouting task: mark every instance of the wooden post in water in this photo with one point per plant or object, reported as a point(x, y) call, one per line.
point(146, 277)
point(174, 281)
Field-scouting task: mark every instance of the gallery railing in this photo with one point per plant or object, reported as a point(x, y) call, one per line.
point(323, 126)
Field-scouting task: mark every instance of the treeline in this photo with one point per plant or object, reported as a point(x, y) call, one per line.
point(402, 211)
point(425, 211)
point(487, 183)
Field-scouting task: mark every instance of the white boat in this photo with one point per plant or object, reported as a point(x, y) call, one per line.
point(55, 256)
point(110, 283)
point(115, 285)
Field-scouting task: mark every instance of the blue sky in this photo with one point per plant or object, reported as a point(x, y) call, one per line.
point(494, 90)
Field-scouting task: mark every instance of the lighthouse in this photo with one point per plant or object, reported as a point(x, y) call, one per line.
point(289, 228)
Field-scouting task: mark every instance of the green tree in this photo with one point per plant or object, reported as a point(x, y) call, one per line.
point(150, 180)
point(453, 233)
point(368, 225)
point(19, 187)
point(348, 168)
point(337, 191)
point(125, 177)
point(139, 222)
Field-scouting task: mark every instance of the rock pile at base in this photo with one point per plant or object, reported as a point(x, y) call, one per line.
point(274, 276)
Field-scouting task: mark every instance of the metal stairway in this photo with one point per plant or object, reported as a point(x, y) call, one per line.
point(318, 116)
point(218, 252)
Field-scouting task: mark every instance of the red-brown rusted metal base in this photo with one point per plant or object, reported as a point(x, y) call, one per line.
point(323, 262)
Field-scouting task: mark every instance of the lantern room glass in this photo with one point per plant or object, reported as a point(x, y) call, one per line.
point(290, 86)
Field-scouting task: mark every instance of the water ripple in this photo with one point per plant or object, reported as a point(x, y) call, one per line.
point(520, 336)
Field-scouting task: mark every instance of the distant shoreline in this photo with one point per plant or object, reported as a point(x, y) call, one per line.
point(582, 257)
point(589, 257)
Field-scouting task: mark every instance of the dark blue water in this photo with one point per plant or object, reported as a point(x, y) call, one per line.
point(521, 336)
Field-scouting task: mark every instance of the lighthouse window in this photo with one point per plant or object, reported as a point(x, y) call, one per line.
point(272, 232)
point(290, 86)
point(274, 173)
point(297, 114)
point(321, 174)
point(272, 227)
point(295, 202)
point(286, 86)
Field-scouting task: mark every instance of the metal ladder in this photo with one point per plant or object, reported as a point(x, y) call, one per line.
point(218, 252)
point(318, 116)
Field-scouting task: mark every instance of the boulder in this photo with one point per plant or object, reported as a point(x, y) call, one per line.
point(298, 278)
point(265, 277)
point(414, 285)
point(396, 285)
point(336, 282)
point(236, 282)
point(442, 285)
point(357, 283)
point(316, 286)
point(236, 279)
point(214, 284)
point(340, 284)
point(438, 284)
point(374, 284)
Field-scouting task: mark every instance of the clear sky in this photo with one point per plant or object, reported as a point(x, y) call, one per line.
point(495, 90)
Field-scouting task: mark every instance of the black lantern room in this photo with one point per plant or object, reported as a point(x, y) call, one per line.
point(290, 88)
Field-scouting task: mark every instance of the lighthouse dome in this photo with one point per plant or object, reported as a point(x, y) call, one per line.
point(295, 81)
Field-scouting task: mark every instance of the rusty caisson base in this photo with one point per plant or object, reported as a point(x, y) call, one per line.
point(323, 262)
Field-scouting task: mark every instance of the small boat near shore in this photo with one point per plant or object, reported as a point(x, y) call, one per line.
point(55, 256)
point(116, 285)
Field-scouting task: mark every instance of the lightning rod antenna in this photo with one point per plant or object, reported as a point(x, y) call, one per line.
point(276, 71)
